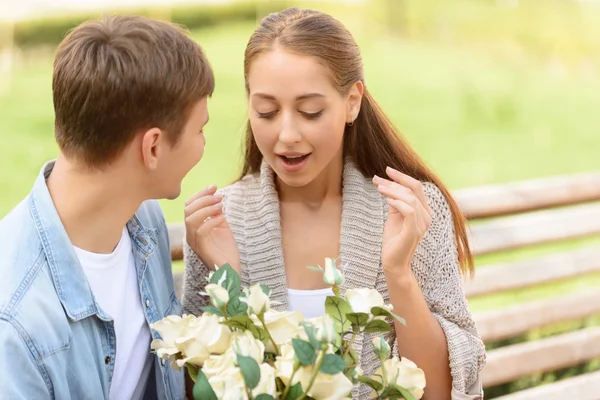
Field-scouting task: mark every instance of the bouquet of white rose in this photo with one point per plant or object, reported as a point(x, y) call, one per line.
point(240, 348)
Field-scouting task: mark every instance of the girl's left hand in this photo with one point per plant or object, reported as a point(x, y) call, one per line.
point(408, 219)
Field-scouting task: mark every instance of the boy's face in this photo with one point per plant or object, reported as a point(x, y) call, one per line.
point(178, 160)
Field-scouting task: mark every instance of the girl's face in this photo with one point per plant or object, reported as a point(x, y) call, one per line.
point(297, 116)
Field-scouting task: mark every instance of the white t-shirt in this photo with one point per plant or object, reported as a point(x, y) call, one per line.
point(113, 279)
point(311, 303)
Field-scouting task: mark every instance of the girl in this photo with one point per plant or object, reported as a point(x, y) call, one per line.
point(326, 174)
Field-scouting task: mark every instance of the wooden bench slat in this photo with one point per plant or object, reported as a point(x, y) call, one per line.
point(512, 321)
point(581, 387)
point(176, 235)
point(503, 199)
point(508, 363)
point(535, 228)
point(524, 273)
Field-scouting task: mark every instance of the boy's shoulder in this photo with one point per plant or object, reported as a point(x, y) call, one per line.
point(21, 250)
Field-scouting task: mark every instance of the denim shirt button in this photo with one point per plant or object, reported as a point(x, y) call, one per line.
point(162, 362)
point(147, 303)
point(107, 360)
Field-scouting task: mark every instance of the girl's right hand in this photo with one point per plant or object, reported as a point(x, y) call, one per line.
point(207, 231)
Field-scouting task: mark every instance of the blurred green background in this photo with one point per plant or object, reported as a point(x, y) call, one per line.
point(487, 92)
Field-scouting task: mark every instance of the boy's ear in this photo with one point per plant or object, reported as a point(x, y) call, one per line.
point(151, 148)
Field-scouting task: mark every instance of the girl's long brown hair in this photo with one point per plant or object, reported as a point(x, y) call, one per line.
point(372, 142)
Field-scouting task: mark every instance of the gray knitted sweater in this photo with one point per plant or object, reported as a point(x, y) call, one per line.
point(252, 210)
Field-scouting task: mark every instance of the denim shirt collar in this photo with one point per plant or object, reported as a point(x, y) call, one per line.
point(67, 274)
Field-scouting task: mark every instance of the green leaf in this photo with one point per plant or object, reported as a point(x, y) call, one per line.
point(192, 371)
point(264, 396)
point(312, 335)
point(305, 353)
point(232, 280)
point(379, 311)
point(236, 307)
point(332, 364)
point(260, 334)
point(377, 325)
point(318, 269)
point(250, 370)
point(398, 392)
point(337, 308)
point(370, 382)
point(244, 323)
point(358, 319)
point(266, 290)
point(202, 389)
point(295, 392)
point(212, 310)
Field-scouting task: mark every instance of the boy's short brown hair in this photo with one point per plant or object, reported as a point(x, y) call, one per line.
point(120, 75)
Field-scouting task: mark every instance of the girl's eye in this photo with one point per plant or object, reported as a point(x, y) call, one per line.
point(267, 115)
point(312, 115)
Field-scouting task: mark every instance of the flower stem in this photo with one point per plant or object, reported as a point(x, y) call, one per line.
point(336, 290)
point(291, 382)
point(349, 346)
point(314, 375)
point(384, 377)
point(261, 318)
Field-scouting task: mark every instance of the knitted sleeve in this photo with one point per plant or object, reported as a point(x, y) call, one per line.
point(442, 288)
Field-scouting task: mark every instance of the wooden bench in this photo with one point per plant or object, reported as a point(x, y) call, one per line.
point(514, 216)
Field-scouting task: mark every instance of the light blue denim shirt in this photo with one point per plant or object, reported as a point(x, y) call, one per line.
point(55, 341)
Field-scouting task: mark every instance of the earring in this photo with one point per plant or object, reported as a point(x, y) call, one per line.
point(350, 123)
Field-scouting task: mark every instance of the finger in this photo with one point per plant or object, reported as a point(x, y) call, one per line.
point(202, 202)
point(204, 192)
point(410, 216)
point(422, 218)
point(398, 192)
point(196, 219)
point(411, 183)
point(209, 225)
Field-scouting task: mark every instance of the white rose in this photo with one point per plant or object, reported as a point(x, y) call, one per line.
point(325, 387)
point(404, 373)
point(362, 300)
point(204, 336)
point(170, 329)
point(217, 364)
point(266, 385)
point(382, 348)
point(283, 326)
point(330, 387)
point(325, 328)
point(257, 300)
point(233, 392)
point(229, 383)
point(245, 344)
point(284, 363)
point(332, 276)
point(219, 296)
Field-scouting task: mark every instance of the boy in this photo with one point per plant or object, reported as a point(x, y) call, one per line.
point(85, 260)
